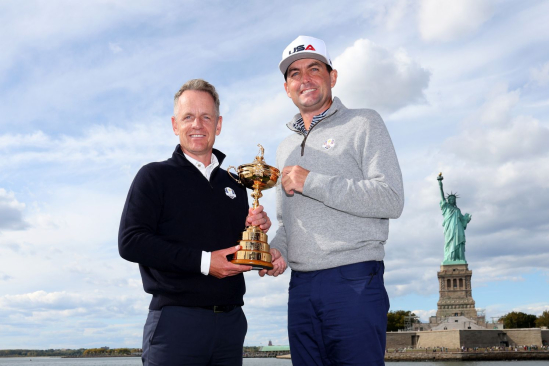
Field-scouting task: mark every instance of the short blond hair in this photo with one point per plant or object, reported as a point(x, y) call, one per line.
point(200, 85)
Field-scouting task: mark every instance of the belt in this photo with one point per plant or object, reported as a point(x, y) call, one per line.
point(219, 308)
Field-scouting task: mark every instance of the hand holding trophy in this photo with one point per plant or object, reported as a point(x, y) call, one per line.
point(254, 248)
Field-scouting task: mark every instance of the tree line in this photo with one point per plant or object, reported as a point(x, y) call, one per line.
point(518, 319)
point(40, 352)
point(512, 320)
point(105, 351)
point(81, 352)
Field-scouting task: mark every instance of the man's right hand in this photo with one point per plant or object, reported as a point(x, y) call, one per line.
point(220, 267)
point(293, 178)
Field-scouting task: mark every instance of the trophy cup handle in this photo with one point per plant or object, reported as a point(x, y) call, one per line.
point(230, 175)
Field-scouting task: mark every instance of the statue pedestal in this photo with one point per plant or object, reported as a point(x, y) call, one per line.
point(456, 297)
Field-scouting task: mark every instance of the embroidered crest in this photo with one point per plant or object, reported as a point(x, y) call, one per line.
point(229, 192)
point(328, 144)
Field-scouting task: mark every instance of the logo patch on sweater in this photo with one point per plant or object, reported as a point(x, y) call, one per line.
point(328, 144)
point(229, 192)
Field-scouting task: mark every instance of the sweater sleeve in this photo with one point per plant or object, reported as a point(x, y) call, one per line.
point(137, 241)
point(379, 194)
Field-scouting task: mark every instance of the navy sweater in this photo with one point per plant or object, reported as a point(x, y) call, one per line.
point(172, 214)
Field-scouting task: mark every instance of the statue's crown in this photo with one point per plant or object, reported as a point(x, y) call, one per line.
point(452, 194)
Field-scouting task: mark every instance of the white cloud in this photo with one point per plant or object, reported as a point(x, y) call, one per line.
point(424, 314)
point(61, 305)
point(525, 138)
point(498, 310)
point(445, 20)
point(115, 48)
point(11, 212)
point(395, 13)
point(371, 76)
point(540, 75)
point(493, 135)
point(100, 145)
point(45, 26)
point(498, 106)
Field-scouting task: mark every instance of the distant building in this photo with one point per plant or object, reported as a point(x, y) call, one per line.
point(458, 324)
point(273, 351)
point(468, 338)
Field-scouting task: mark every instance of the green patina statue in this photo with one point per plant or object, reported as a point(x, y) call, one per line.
point(454, 227)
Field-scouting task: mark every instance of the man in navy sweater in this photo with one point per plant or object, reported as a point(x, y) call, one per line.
point(181, 220)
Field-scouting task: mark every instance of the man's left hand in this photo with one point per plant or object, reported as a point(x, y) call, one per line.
point(258, 217)
point(293, 178)
point(279, 264)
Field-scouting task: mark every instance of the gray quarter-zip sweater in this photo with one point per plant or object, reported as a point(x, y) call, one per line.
point(354, 187)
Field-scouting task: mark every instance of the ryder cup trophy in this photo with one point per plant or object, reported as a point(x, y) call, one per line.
point(258, 176)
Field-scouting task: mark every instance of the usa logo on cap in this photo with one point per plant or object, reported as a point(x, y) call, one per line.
point(229, 192)
point(304, 47)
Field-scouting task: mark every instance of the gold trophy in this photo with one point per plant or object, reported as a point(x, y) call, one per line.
point(258, 176)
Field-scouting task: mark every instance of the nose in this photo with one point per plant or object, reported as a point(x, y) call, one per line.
point(306, 78)
point(197, 123)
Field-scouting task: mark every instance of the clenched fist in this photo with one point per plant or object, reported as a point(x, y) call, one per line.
point(293, 178)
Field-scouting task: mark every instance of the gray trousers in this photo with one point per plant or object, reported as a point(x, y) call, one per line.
point(177, 336)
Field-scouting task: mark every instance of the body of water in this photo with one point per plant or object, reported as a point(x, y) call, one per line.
point(136, 361)
point(116, 361)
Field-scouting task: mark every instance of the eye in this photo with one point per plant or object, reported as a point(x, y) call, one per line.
point(186, 118)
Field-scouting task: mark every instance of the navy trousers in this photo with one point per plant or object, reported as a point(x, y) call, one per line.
point(338, 316)
point(177, 336)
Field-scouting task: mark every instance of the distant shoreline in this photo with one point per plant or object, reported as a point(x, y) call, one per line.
point(102, 356)
point(467, 356)
point(96, 356)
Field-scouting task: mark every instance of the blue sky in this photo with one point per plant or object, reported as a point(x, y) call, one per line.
point(86, 99)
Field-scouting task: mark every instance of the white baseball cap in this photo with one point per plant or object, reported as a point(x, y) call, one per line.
point(304, 47)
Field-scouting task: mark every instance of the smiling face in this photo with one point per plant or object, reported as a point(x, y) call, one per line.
point(196, 123)
point(309, 84)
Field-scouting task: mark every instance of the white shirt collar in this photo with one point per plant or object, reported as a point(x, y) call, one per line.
point(205, 170)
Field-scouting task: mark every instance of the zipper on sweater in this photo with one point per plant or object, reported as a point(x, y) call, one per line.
point(212, 175)
point(305, 138)
point(308, 133)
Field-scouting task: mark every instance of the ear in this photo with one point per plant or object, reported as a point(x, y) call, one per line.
point(333, 78)
point(218, 127)
point(175, 126)
point(287, 90)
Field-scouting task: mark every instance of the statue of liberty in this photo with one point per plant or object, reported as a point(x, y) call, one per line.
point(454, 224)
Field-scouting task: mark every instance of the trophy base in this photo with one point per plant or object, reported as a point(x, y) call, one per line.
point(254, 250)
point(256, 265)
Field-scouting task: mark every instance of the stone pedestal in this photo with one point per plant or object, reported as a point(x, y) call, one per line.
point(456, 298)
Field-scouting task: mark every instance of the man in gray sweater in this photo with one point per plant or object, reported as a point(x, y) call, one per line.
point(341, 183)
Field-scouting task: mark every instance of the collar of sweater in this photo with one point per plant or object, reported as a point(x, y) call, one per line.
point(180, 159)
point(336, 105)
